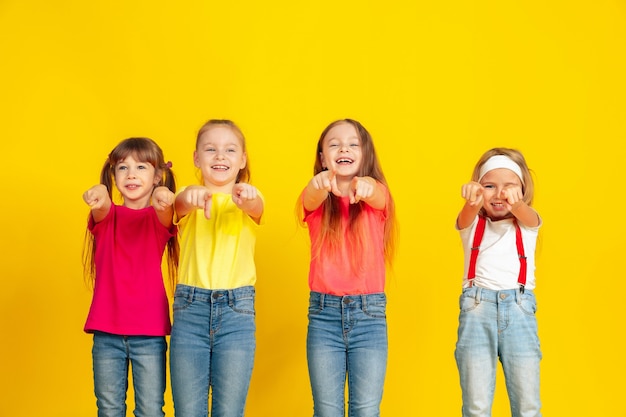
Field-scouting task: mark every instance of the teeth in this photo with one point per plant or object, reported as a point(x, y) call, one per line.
point(219, 167)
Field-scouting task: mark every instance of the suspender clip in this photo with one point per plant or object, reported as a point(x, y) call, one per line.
point(521, 289)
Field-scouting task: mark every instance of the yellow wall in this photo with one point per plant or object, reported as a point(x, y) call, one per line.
point(436, 83)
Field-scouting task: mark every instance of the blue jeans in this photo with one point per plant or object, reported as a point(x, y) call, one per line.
point(347, 336)
point(498, 325)
point(212, 347)
point(112, 355)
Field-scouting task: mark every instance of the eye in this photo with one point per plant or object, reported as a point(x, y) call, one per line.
point(232, 150)
point(489, 186)
point(121, 168)
point(354, 145)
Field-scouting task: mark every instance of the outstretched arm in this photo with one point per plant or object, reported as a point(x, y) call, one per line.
point(525, 214)
point(246, 197)
point(191, 198)
point(368, 190)
point(318, 189)
point(473, 194)
point(97, 198)
point(163, 203)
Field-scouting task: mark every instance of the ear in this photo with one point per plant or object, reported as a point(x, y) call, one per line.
point(323, 161)
point(244, 160)
point(158, 175)
point(196, 161)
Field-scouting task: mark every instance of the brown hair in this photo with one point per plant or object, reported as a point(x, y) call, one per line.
point(145, 150)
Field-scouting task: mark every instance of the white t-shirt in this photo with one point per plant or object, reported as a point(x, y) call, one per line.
point(497, 266)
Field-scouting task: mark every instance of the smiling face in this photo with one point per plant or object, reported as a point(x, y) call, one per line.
point(135, 180)
point(219, 155)
point(341, 151)
point(494, 183)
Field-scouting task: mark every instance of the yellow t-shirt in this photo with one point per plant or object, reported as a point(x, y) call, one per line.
point(217, 253)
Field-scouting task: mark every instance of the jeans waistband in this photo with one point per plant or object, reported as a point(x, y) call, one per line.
point(205, 295)
point(496, 296)
point(356, 300)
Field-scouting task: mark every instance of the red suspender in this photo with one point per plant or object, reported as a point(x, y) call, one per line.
point(478, 237)
point(521, 279)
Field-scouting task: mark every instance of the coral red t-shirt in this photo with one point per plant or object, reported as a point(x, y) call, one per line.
point(332, 271)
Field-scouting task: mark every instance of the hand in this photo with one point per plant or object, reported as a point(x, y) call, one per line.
point(199, 196)
point(326, 180)
point(96, 196)
point(473, 193)
point(243, 192)
point(513, 196)
point(162, 198)
point(361, 188)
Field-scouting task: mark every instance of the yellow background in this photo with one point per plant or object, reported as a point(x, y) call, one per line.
point(436, 83)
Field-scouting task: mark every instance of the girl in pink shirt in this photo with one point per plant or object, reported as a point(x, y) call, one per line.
point(351, 220)
point(129, 314)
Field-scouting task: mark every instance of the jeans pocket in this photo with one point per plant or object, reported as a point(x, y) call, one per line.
point(181, 302)
point(467, 301)
point(528, 305)
point(376, 310)
point(244, 305)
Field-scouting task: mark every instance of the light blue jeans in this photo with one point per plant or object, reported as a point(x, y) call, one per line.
point(112, 355)
point(347, 336)
point(212, 347)
point(498, 325)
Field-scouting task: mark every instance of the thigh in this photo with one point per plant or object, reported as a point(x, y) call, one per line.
point(367, 361)
point(327, 361)
point(190, 354)
point(521, 356)
point(232, 357)
point(148, 359)
point(110, 372)
point(476, 353)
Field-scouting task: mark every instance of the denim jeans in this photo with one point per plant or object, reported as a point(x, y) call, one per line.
point(212, 347)
point(347, 336)
point(112, 355)
point(498, 325)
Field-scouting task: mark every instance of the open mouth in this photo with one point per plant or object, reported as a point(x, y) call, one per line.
point(220, 167)
point(344, 161)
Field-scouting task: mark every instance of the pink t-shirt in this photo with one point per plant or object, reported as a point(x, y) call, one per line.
point(331, 271)
point(129, 296)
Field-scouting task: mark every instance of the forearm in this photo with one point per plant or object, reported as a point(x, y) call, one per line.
point(525, 214)
point(467, 215)
point(313, 198)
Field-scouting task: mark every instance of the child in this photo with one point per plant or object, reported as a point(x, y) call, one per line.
point(497, 320)
point(213, 335)
point(129, 314)
point(351, 220)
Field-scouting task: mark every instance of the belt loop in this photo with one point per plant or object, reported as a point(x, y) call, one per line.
point(518, 294)
point(231, 298)
point(190, 294)
point(363, 302)
point(478, 295)
point(321, 300)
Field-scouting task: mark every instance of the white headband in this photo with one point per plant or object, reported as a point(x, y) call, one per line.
point(500, 161)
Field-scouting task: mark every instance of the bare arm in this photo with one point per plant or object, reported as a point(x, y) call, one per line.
point(191, 198)
point(473, 194)
point(163, 203)
point(246, 197)
point(370, 191)
point(97, 198)
point(318, 188)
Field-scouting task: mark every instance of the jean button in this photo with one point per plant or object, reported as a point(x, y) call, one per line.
point(502, 296)
point(215, 295)
point(347, 300)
